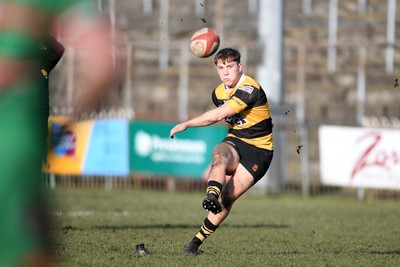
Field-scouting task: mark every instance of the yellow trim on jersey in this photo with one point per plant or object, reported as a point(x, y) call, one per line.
point(236, 104)
point(265, 142)
point(258, 114)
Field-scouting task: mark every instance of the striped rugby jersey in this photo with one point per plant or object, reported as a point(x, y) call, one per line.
point(252, 122)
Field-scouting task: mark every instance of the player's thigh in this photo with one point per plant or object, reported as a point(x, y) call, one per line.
point(238, 184)
point(225, 154)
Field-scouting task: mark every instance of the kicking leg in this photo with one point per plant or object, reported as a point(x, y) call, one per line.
point(225, 160)
point(236, 185)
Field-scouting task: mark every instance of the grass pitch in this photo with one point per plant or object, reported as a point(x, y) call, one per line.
point(102, 228)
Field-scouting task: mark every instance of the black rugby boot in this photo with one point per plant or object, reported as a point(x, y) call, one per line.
point(211, 203)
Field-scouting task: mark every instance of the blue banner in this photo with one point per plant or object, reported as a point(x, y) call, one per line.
point(108, 149)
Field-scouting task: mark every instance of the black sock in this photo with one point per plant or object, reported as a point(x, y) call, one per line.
point(206, 230)
point(214, 187)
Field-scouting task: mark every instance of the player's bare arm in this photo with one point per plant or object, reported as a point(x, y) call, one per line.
point(205, 119)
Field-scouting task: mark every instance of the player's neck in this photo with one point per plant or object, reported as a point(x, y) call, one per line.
point(240, 80)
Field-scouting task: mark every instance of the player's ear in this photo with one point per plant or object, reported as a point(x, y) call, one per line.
point(240, 66)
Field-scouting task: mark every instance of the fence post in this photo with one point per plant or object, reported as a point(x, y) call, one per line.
point(301, 122)
point(183, 83)
point(332, 34)
point(390, 35)
point(164, 34)
point(128, 80)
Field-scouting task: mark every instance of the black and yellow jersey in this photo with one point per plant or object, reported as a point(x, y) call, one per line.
point(252, 122)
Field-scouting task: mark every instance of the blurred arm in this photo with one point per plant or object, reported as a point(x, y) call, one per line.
point(90, 38)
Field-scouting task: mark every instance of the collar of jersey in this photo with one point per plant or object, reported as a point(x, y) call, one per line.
point(228, 90)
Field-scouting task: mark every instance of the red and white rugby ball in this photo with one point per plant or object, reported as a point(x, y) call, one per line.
point(204, 42)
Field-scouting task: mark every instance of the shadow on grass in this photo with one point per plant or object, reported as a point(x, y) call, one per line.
point(288, 253)
point(172, 226)
point(387, 252)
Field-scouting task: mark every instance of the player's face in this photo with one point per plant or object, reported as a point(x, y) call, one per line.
point(229, 72)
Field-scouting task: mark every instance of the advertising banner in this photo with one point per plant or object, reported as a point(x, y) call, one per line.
point(87, 147)
point(187, 155)
point(360, 157)
point(108, 149)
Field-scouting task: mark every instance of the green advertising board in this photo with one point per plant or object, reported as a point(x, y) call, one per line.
point(188, 154)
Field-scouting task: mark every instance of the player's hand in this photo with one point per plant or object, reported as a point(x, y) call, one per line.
point(177, 129)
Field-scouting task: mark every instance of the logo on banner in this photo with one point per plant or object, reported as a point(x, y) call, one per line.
point(169, 150)
point(374, 156)
point(143, 144)
point(63, 141)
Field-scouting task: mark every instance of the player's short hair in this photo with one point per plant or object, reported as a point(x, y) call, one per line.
point(227, 54)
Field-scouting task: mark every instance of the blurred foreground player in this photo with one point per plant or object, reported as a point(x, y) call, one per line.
point(24, 27)
point(51, 53)
point(244, 156)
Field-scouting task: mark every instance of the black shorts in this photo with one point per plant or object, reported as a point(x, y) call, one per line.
point(254, 159)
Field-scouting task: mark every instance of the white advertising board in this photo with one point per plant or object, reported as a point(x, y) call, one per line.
point(360, 157)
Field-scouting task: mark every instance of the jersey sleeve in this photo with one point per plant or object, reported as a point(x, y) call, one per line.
point(245, 96)
point(217, 102)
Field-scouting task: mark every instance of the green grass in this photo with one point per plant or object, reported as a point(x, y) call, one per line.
point(102, 228)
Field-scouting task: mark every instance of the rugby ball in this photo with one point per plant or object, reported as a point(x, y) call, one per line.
point(204, 42)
